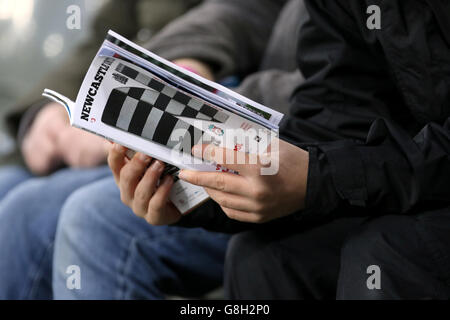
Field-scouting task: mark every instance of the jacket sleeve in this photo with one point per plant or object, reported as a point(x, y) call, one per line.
point(231, 36)
point(272, 88)
point(345, 115)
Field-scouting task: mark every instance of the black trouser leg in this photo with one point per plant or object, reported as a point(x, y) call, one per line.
point(332, 260)
point(411, 252)
point(278, 264)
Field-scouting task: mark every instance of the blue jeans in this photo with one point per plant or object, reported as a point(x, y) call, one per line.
point(120, 256)
point(28, 216)
point(10, 177)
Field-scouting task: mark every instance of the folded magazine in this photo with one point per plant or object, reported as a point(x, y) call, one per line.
point(148, 104)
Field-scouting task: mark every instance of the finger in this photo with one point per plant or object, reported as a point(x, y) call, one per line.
point(232, 201)
point(244, 216)
point(130, 175)
point(161, 211)
point(146, 188)
point(116, 160)
point(221, 181)
point(238, 161)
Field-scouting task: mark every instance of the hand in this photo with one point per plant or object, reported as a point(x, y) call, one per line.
point(250, 196)
point(197, 66)
point(51, 142)
point(81, 149)
point(139, 188)
point(40, 146)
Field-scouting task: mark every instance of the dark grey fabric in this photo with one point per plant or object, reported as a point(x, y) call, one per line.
point(337, 260)
point(286, 264)
point(375, 108)
point(230, 35)
point(253, 39)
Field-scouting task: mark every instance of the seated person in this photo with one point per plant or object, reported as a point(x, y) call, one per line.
point(167, 260)
point(363, 183)
point(112, 276)
point(30, 206)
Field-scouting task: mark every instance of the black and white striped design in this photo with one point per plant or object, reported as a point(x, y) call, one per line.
point(143, 112)
point(174, 101)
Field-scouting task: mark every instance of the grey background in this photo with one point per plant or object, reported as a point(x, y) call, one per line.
point(33, 39)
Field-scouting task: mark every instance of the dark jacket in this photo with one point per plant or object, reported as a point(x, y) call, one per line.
point(251, 39)
point(373, 112)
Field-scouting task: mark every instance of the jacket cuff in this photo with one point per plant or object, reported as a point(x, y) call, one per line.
point(347, 170)
point(322, 197)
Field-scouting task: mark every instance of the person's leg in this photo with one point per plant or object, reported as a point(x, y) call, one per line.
point(408, 255)
point(287, 264)
point(28, 217)
point(121, 256)
point(10, 177)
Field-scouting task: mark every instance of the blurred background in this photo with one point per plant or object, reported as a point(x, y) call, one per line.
point(34, 38)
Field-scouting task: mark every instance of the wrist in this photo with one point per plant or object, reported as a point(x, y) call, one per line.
point(321, 197)
point(302, 177)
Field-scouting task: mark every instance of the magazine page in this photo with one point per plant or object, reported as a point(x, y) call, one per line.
point(159, 119)
point(267, 116)
point(224, 129)
point(156, 113)
point(123, 110)
point(186, 197)
point(94, 110)
point(252, 114)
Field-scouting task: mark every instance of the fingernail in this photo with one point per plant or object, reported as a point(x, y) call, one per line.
point(168, 180)
point(130, 154)
point(197, 151)
point(119, 148)
point(157, 166)
point(144, 158)
point(182, 175)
